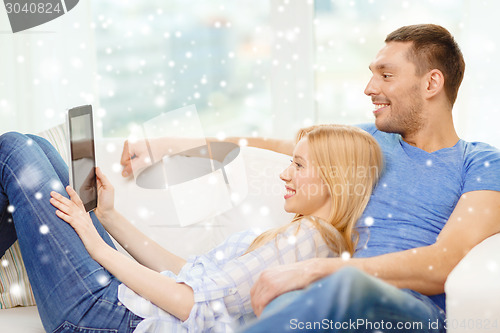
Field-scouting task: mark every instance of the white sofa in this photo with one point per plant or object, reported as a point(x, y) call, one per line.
point(473, 288)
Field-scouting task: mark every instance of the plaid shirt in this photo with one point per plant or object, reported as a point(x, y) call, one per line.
point(222, 278)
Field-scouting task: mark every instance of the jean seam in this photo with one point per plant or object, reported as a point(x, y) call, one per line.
point(85, 328)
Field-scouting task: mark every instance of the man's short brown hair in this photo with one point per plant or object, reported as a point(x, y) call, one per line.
point(433, 47)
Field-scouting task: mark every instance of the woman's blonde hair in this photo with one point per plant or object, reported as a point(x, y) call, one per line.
point(349, 162)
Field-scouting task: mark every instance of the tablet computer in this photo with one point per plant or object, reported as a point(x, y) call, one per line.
point(82, 177)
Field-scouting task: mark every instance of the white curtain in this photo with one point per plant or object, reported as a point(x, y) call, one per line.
point(45, 70)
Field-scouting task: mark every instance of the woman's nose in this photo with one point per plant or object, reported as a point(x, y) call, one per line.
point(285, 175)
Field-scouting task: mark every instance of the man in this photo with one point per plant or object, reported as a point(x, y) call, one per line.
point(439, 196)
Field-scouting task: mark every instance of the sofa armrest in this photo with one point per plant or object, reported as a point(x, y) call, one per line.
point(473, 290)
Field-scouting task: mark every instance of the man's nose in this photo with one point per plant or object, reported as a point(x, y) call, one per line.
point(371, 87)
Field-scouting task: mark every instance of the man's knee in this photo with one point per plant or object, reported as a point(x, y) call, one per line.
point(352, 287)
point(349, 278)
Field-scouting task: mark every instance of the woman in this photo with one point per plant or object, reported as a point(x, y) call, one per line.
point(77, 277)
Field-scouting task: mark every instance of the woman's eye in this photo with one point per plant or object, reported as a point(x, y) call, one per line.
point(297, 165)
point(386, 76)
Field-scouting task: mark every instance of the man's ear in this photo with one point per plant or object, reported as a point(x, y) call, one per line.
point(434, 83)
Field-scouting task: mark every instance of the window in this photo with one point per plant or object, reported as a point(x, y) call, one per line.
point(157, 56)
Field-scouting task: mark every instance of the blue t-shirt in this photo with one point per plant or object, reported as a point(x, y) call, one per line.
point(418, 191)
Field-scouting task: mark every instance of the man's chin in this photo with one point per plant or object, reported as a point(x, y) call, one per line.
point(380, 125)
point(384, 127)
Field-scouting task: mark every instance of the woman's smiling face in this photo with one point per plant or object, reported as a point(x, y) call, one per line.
point(306, 193)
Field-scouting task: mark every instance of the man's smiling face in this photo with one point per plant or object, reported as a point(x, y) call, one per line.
point(395, 90)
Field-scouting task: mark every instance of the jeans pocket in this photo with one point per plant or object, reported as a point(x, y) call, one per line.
point(67, 327)
point(135, 322)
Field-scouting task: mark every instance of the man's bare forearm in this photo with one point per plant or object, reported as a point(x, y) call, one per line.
point(422, 269)
point(277, 145)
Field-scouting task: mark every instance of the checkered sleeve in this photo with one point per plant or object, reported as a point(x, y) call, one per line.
point(221, 280)
point(300, 241)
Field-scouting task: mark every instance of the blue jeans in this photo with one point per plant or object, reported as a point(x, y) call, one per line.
point(73, 292)
point(350, 301)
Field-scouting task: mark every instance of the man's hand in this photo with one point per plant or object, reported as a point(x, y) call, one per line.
point(276, 281)
point(135, 156)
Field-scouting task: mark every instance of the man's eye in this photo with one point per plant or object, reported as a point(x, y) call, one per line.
point(386, 76)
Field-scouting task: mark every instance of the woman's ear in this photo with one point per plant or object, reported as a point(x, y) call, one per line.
point(434, 83)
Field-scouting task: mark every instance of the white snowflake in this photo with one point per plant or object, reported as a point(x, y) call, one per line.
point(264, 210)
point(56, 185)
point(216, 306)
point(102, 280)
point(345, 256)
point(492, 266)
point(143, 212)
point(116, 167)
point(110, 147)
point(369, 221)
point(212, 180)
point(30, 176)
point(49, 113)
point(15, 289)
point(246, 209)
point(219, 255)
point(235, 197)
point(221, 136)
point(44, 229)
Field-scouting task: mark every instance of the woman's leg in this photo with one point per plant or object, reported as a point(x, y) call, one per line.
point(68, 285)
point(62, 172)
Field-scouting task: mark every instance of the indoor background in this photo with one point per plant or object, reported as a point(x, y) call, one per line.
point(251, 67)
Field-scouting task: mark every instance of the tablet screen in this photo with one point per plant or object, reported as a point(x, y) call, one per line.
point(82, 175)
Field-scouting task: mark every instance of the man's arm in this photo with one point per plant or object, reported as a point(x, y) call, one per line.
point(140, 154)
point(424, 269)
point(277, 145)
